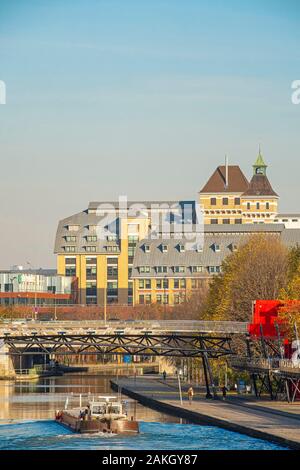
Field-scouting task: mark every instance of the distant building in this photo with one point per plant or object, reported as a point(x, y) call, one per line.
point(166, 273)
point(36, 287)
point(228, 197)
point(133, 260)
point(289, 220)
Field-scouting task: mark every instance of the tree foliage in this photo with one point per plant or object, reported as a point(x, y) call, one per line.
point(257, 270)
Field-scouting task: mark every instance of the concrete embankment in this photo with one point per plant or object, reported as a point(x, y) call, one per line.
point(281, 428)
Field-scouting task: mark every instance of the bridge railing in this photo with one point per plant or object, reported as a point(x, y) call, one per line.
point(152, 325)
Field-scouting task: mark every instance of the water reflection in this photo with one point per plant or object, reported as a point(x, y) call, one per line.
point(40, 399)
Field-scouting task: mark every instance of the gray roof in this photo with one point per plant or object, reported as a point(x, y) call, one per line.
point(147, 204)
point(209, 255)
point(40, 271)
point(282, 216)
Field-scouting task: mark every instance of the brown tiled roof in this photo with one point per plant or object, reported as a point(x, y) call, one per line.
point(237, 181)
point(260, 186)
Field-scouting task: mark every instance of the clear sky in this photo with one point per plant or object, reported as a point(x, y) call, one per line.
point(136, 97)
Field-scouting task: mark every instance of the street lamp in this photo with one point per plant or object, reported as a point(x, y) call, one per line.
point(35, 293)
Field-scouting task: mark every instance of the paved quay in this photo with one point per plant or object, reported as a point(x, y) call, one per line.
point(274, 421)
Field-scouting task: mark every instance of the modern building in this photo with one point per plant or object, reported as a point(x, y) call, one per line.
point(229, 198)
point(36, 287)
point(98, 244)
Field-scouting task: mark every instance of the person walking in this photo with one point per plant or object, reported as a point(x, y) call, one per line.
point(164, 375)
point(190, 394)
point(224, 392)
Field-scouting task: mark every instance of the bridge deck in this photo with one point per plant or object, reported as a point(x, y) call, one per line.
point(130, 327)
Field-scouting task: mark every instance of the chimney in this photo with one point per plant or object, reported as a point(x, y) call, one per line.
point(226, 172)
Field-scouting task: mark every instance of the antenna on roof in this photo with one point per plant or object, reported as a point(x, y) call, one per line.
point(226, 172)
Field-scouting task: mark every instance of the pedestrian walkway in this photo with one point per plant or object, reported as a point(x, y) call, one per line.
point(266, 420)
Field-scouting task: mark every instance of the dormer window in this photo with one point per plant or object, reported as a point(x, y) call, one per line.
point(216, 247)
point(70, 238)
point(179, 269)
point(164, 248)
point(181, 248)
point(144, 269)
point(90, 249)
point(112, 237)
point(161, 269)
point(147, 248)
point(73, 228)
point(199, 248)
point(197, 269)
point(91, 238)
point(233, 247)
point(69, 249)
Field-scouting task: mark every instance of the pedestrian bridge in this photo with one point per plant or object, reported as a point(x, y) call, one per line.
point(25, 328)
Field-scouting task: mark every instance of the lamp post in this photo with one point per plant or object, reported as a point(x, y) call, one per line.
point(179, 373)
point(35, 293)
point(10, 283)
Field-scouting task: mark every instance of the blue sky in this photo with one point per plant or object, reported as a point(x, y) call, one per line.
point(139, 98)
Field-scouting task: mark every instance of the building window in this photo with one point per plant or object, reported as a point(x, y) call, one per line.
point(161, 269)
point(90, 249)
point(181, 248)
point(214, 221)
point(267, 205)
point(112, 272)
point(91, 238)
point(248, 206)
point(237, 201)
point(70, 271)
point(148, 299)
point(73, 228)
point(164, 248)
point(69, 249)
point(214, 269)
point(141, 299)
point(165, 299)
point(158, 298)
point(147, 248)
point(111, 238)
point(225, 201)
point(112, 248)
point(162, 284)
point(257, 205)
point(226, 221)
point(91, 289)
point(112, 288)
point(145, 284)
point(213, 201)
point(70, 238)
point(179, 284)
point(197, 269)
point(179, 269)
point(144, 269)
point(91, 272)
point(216, 247)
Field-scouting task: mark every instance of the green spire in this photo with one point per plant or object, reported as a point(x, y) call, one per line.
point(259, 167)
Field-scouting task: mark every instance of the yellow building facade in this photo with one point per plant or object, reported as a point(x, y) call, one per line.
point(229, 198)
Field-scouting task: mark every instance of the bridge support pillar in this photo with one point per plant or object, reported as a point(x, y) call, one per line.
point(7, 370)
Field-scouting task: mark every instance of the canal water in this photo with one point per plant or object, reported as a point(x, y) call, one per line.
point(27, 410)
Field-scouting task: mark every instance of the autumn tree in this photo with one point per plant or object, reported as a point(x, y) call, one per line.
point(257, 270)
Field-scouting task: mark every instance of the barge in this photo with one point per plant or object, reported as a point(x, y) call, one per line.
point(101, 414)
